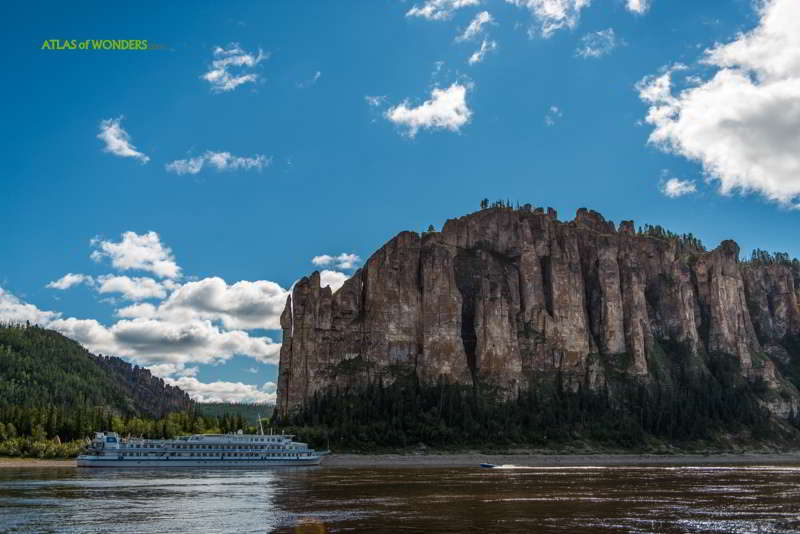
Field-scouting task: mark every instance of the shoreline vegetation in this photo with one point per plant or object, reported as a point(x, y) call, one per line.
point(435, 459)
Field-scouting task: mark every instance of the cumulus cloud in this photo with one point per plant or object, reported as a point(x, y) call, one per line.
point(675, 187)
point(14, 310)
point(226, 61)
point(143, 252)
point(139, 310)
point(171, 336)
point(137, 288)
point(199, 322)
point(486, 47)
point(221, 161)
point(439, 9)
point(342, 261)
point(117, 140)
point(69, 280)
point(243, 305)
point(552, 15)
point(476, 26)
point(149, 341)
point(324, 259)
point(597, 44)
point(222, 391)
point(167, 344)
point(446, 109)
point(639, 7)
point(334, 279)
point(347, 261)
point(742, 124)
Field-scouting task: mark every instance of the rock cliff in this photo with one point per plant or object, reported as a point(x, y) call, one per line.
point(515, 299)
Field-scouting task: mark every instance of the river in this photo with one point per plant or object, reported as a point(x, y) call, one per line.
point(668, 499)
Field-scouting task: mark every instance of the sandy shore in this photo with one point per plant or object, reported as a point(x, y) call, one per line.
point(33, 462)
point(555, 460)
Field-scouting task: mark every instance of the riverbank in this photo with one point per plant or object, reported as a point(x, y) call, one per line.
point(434, 460)
point(557, 460)
point(34, 462)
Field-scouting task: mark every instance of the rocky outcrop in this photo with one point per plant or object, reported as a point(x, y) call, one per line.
point(515, 299)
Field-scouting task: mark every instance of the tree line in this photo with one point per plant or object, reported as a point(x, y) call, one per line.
point(623, 415)
point(52, 431)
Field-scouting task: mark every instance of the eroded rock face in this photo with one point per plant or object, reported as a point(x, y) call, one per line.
point(514, 299)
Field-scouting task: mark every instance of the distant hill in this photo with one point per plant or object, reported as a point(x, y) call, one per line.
point(248, 411)
point(40, 367)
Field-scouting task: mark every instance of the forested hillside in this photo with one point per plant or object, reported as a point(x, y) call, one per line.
point(51, 386)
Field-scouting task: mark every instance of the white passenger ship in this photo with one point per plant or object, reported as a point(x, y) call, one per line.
point(107, 449)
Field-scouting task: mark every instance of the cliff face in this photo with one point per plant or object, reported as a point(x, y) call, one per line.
point(515, 299)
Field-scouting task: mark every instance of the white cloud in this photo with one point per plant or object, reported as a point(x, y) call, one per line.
point(597, 44)
point(447, 109)
point(334, 279)
point(201, 322)
point(675, 187)
point(138, 252)
point(69, 280)
point(639, 7)
point(252, 370)
point(149, 341)
point(375, 101)
point(131, 288)
point(476, 26)
point(186, 166)
point(188, 371)
point(117, 140)
point(243, 305)
point(743, 123)
point(347, 261)
point(439, 9)
point(324, 259)
point(308, 83)
point(140, 310)
point(222, 391)
point(232, 58)
point(221, 161)
point(486, 47)
point(552, 15)
point(14, 310)
point(553, 114)
point(342, 261)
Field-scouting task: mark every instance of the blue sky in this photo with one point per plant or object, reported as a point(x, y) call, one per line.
point(190, 186)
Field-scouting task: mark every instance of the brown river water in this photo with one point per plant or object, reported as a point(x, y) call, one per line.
point(669, 499)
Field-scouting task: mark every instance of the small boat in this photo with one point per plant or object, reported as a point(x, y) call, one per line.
point(488, 466)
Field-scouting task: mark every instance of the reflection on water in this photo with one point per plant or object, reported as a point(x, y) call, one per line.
point(316, 500)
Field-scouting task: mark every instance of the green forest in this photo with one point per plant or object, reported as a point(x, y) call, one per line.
point(685, 409)
point(54, 394)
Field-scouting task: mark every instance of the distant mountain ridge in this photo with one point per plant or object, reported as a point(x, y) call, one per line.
point(40, 366)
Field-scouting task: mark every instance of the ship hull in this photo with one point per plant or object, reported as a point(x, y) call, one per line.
point(144, 463)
